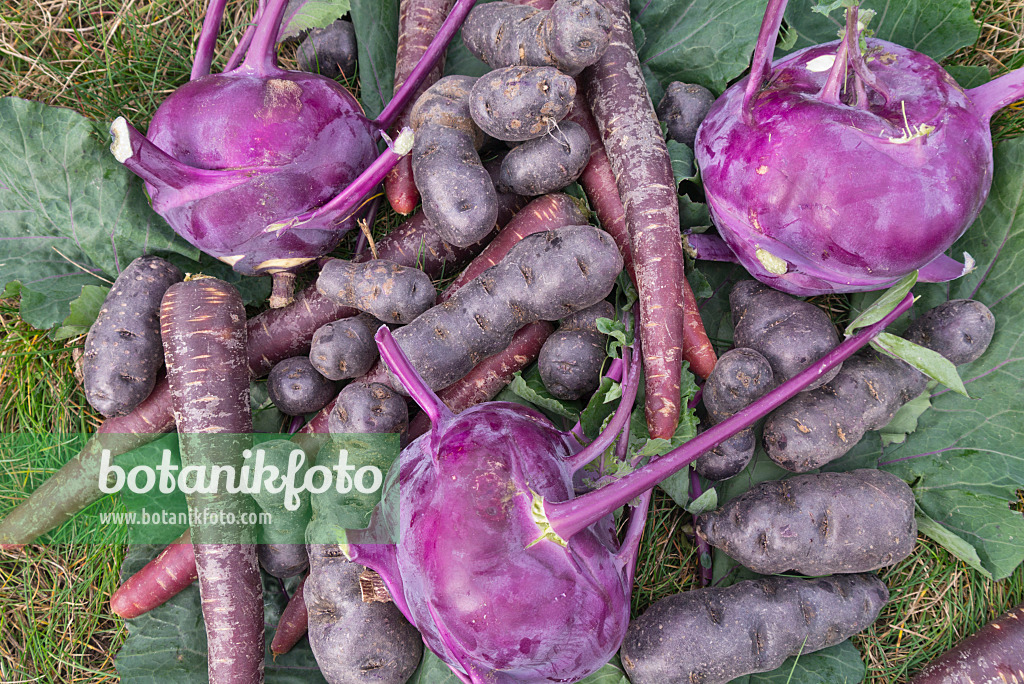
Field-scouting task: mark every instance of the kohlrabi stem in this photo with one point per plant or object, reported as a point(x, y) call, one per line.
point(703, 548)
point(630, 546)
point(708, 248)
point(438, 46)
point(165, 173)
point(566, 518)
point(619, 418)
point(833, 87)
point(349, 199)
point(761, 64)
point(990, 97)
point(207, 42)
point(398, 363)
point(261, 57)
point(866, 76)
point(245, 41)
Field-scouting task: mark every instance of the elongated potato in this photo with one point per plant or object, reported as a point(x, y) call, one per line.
point(123, 351)
point(712, 636)
point(817, 524)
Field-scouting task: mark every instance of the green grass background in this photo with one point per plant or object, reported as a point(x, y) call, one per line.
point(122, 58)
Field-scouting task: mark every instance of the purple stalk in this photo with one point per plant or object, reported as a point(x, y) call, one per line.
point(837, 74)
point(707, 247)
point(990, 97)
point(261, 57)
point(437, 48)
point(207, 39)
point(866, 76)
point(619, 419)
point(420, 392)
point(350, 198)
point(630, 547)
point(706, 573)
point(245, 41)
point(615, 373)
point(761, 64)
point(165, 173)
point(566, 518)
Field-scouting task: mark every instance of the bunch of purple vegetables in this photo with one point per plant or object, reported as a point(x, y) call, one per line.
point(508, 562)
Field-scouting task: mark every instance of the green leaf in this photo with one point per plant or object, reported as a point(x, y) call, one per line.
point(681, 157)
point(84, 311)
point(839, 664)
point(708, 501)
point(931, 363)
point(611, 673)
point(698, 41)
point(600, 406)
point(951, 542)
point(905, 420)
point(938, 28)
point(303, 15)
point(530, 387)
point(433, 670)
point(884, 304)
point(693, 216)
point(168, 644)
point(965, 461)
point(66, 199)
point(376, 27)
point(969, 76)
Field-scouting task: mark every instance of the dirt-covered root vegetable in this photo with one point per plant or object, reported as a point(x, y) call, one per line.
point(959, 329)
point(355, 642)
point(789, 332)
point(282, 534)
point(570, 36)
point(820, 426)
point(202, 324)
point(297, 388)
point(570, 360)
point(345, 349)
point(992, 655)
point(123, 352)
point(682, 109)
point(547, 163)
point(740, 377)
point(817, 524)
point(546, 276)
point(392, 293)
point(458, 194)
point(713, 636)
point(518, 103)
point(368, 407)
point(329, 51)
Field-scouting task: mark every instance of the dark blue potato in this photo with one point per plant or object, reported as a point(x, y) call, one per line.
point(683, 108)
point(712, 636)
point(123, 350)
point(329, 51)
point(570, 360)
point(392, 293)
point(521, 102)
point(547, 163)
point(296, 388)
point(368, 407)
point(345, 349)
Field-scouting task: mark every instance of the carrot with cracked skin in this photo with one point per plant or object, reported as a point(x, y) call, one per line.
point(618, 98)
point(418, 23)
point(273, 335)
point(202, 325)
